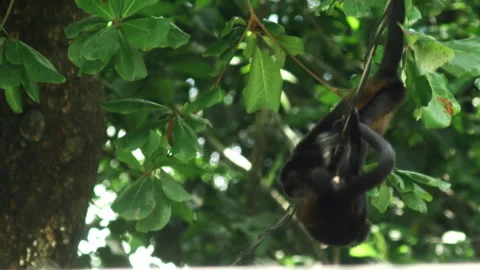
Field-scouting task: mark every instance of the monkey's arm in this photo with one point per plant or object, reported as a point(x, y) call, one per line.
point(374, 177)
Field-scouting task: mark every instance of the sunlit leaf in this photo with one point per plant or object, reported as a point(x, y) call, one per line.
point(467, 57)
point(173, 189)
point(137, 201)
point(264, 83)
point(160, 216)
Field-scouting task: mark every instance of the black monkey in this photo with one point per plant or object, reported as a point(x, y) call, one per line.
point(327, 178)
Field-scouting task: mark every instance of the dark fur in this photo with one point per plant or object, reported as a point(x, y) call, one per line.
point(334, 211)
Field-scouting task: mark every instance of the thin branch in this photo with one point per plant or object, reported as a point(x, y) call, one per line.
point(7, 14)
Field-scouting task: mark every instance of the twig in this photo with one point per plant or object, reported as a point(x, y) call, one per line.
point(9, 9)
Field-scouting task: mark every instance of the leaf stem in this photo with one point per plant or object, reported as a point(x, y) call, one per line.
point(9, 9)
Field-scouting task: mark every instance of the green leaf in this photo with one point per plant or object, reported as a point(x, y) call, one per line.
point(216, 49)
point(38, 68)
point(88, 24)
point(30, 86)
point(414, 202)
point(229, 25)
point(424, 179)
point(131, 7)
point(13, 52)
point(396, 181)
point(356, 8)
point(205, 100)
point(442, 106)
point(274, 28)
point(154, 32)
point(264, 83)
point(173, 189)
point(137, 201)
point(467, 57)
point(422, 193)
point(97, 7)
point(101, 45)
point(159, 217)
point(86, 66)
point(13, 95)
point(9, 75)
point(279, 53)
point(185, 143)
point(197, 123)
point(251, 42)
point(382, 201)
point(292, 44)
point(131, 105)
point(133, 140)
point(431, 54)
point(152, 144)
point(129, 62)
point(128, 157)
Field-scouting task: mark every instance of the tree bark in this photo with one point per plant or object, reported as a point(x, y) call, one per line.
point(48, 154)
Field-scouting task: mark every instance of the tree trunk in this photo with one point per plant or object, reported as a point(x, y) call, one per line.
point(48, 154)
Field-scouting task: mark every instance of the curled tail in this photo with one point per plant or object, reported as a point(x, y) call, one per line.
point(394, 46)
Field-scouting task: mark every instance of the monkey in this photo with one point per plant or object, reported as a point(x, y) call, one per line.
point(324, 170)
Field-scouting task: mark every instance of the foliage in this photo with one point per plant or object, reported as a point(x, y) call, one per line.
point(188, 86)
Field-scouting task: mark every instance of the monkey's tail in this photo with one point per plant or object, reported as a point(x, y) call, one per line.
point(394, 46)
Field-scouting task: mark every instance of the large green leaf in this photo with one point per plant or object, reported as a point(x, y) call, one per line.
point(173, 189)
point(9, 75)
point(131, 105)
point(161, 213)
point(13, 52)
point(86, 66)
point(154, 32)
point(101, 45)
point(137, 201)
point(292, 44)
point(264, 83)
point(467, 57)
point(100, 8)
point(38, 68)
point(442, 106)
point(129, 62)
point(185, 143)
point(30, 86)
point(431, 54)
point(152, 144)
